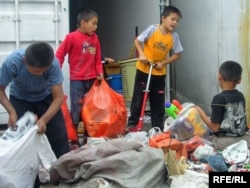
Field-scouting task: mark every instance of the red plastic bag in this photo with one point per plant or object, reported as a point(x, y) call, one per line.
point(104, 112)
point(193, 143)
point(72, 133)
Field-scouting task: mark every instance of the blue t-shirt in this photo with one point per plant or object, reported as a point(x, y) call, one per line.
point(23, 84)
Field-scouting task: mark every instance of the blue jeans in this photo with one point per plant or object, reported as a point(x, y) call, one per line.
point(78, 88)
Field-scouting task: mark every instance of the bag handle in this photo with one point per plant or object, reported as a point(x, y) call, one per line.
point(153, 131)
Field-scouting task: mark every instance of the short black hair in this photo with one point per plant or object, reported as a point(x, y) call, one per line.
point(39, 54)
point(85, 15)
point(230, 71)
point(170, 9)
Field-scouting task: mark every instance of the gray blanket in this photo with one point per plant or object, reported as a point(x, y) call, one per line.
point(122, 163)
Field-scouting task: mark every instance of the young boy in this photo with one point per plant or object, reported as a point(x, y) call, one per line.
point(228, 118)
point(35, 80)
point(84, 54)
point(153, 45)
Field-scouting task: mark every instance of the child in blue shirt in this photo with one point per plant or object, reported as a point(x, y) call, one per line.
point(35, 81)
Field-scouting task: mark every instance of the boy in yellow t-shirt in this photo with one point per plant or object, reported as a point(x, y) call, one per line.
point(153, 45)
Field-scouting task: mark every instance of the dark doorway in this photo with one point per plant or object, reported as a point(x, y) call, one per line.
point(74, 7)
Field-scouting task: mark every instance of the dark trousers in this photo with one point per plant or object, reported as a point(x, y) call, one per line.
point(156, 99)
point(56, 129)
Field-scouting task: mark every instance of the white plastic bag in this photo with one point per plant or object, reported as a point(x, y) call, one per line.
point(5, 182)
point(190, 179)
point(236, 153)
point(20, 158)
point(203, 151)
point(140, 137)
point(23, 125)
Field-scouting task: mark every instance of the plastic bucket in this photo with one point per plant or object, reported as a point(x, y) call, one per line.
point(115, 82)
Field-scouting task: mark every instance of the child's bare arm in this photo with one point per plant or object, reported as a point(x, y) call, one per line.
point(139, 48)
point(211, 125)
point(171, 59)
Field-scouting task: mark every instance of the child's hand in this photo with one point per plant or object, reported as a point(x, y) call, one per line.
point(109, 60)
point(158, 66)
point(143, 59)
point(99, 76)
point(12, 120)
point(41, 126)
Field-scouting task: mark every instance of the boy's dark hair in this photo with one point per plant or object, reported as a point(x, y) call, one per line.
point(39, 55)
point(85, 15)
point(170, 9)
point(230, 71)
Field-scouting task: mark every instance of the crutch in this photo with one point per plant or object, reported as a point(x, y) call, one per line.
point(145, 97)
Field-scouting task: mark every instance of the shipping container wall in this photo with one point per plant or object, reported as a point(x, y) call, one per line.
point(23, 22)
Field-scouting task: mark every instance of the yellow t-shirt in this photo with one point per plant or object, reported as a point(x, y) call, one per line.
point(157, 45)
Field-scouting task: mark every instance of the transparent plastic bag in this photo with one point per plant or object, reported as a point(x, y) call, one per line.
point(187, 124)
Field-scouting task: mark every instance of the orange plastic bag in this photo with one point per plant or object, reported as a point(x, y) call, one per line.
point(173, 144)
point(158, 137)
point(104, 112)
point(164, 141)
point(71, 131)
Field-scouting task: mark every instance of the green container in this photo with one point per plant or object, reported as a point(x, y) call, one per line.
point(128, 70)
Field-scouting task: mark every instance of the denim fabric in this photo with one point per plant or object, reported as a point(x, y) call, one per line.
point(217, 163)
point(78, 88)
